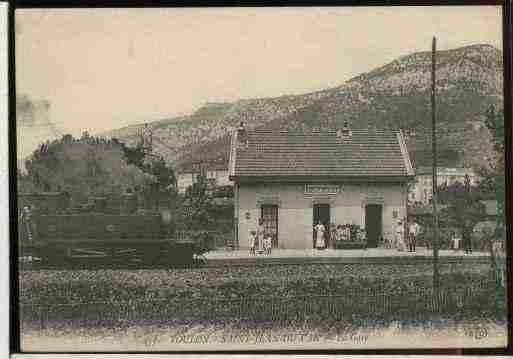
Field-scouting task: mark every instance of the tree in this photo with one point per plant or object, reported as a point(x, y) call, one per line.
point(197, 215)
point(155, 166)
point(493, 177)
point(82, 168)
point(132, 155)
point(164, 174)
point(494, 180)
point(24, 183)
point(463, 207)
point(200, 204)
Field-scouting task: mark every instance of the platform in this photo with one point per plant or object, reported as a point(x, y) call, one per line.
point(331, 256)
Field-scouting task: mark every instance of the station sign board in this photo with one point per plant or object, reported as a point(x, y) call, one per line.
point(321, 189)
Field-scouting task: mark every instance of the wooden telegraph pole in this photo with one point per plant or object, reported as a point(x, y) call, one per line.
point(436, 274)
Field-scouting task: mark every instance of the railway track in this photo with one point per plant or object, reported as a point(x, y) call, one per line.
point(92, 263)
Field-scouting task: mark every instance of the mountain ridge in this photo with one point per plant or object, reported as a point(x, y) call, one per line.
point(396, 95)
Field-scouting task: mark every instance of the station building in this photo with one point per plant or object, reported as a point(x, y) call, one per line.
point(294, 179)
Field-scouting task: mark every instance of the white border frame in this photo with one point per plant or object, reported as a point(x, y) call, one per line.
point(4, 184)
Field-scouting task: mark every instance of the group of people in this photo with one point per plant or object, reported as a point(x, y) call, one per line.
point(259, 240)
point(327, 235)
point(404, 241)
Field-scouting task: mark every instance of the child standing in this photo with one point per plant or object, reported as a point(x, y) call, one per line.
point(361, 235)
point(260, 235)
point(252, 242)
point(268, 245)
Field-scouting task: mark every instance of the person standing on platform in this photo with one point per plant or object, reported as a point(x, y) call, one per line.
point(315, 234)
point(466, 237)
point(346, 233)
point(500, 258)
point(455, 242)
point(339, 233)
point(260, 235)
point(413, 232)
point(361, 237)
point(333, 234)
point(252, 241)
point(399, 237)
point(320, 229)
point(268, 245)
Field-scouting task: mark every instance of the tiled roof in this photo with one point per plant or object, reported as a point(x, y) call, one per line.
point(320, 153)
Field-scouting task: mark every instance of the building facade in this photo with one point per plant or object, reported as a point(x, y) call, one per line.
point(422, 188)
point(295, 179)
point(217, 176)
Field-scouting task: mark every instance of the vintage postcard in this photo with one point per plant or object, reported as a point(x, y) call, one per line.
point(195, 179)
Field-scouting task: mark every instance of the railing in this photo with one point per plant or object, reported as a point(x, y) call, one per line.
point(368, 304)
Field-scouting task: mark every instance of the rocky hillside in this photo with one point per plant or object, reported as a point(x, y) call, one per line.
point(397, 95)
point(179, 138)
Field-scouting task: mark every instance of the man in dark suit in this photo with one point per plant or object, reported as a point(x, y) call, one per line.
point(466, 236)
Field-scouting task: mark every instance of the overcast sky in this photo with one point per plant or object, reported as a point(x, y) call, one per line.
point(104, 68)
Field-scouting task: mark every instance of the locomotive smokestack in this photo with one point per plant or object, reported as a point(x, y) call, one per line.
point(242, 137)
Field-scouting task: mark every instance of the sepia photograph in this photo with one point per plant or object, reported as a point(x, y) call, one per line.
point(247, 179)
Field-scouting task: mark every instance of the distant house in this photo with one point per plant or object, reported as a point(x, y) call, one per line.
point(216, 173)
point(293, 179)
point(423, 210)
point(422, 189)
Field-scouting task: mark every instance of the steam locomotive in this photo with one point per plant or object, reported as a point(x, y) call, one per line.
point(53, 232)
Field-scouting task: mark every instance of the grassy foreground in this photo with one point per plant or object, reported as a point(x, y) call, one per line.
point(55, 286)
point(343, 292)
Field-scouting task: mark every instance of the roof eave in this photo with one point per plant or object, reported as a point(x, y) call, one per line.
point(233, 155)
point(320, 179)
point(405, 154)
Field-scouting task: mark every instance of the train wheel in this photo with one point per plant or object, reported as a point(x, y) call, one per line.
point(181, 257)
point(152, 257)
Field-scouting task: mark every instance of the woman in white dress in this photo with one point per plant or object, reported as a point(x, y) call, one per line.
point(399, 239)
point(320, 235)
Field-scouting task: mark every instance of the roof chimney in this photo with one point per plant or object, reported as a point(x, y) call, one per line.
point(241, 131)
point(242, 135)
point(345, 132)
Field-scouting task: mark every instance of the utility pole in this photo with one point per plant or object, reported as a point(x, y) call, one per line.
point(436, 274)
